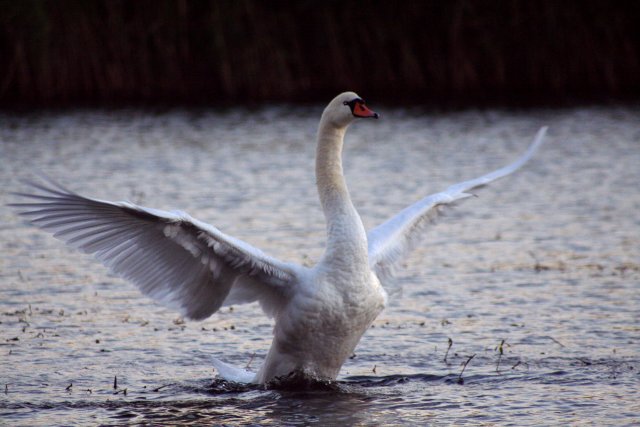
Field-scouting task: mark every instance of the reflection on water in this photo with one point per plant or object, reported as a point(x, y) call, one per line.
point(537, 278)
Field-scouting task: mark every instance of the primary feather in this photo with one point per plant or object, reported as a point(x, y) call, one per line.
point(392, 240)
point(173, 258)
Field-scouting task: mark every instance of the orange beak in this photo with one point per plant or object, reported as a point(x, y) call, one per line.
point(361, 110)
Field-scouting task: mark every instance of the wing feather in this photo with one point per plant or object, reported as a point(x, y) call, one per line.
point(392, 240)
point(182, 262)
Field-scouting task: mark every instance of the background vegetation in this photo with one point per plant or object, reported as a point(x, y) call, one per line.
point(451, 53)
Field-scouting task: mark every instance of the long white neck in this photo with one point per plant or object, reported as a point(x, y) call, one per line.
point(346, 237)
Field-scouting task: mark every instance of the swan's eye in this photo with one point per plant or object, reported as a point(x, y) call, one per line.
point(354, 103)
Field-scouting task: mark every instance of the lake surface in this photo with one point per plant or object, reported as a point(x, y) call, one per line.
point(538, 278)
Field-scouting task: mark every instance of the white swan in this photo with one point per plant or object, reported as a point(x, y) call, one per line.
point(320, 312)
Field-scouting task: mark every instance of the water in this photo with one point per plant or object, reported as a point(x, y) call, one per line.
point(545, 262)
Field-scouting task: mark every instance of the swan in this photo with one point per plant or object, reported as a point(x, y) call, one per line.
point(320, 312)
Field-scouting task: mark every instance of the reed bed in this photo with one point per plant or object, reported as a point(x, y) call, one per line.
point(454, 53)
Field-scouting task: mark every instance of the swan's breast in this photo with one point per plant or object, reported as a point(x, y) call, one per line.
point(323, 322)
point(336, 305)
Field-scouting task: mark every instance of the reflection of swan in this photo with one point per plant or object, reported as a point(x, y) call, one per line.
point(320, 312)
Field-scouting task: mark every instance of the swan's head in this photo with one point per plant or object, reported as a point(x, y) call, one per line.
point(345, 108)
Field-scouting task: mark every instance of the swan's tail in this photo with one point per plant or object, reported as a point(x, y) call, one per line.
point(231, 373)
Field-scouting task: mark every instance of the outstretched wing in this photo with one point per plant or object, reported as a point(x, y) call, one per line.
point(175, 259)
point(392, 240)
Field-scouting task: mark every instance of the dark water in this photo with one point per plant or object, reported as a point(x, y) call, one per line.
point(538, 278)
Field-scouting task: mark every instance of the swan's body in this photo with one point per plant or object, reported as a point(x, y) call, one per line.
point(320, 312)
